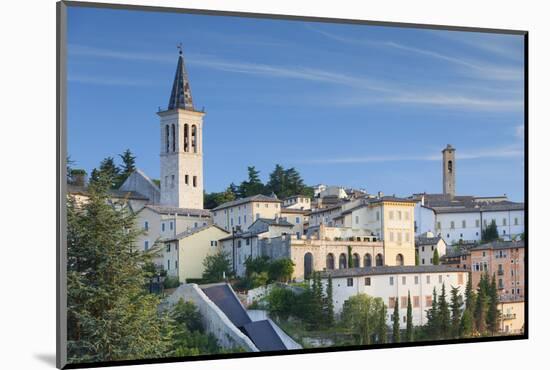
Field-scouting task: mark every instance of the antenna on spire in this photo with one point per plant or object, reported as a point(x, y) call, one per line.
point(180, 48)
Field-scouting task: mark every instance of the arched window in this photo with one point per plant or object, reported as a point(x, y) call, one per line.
point(399, 259)
point(355, 260)
point(330, 261)
point(342, 261)
point(308, 265)
point(194, 138)
point(186, 137)
point(450, 166)
point(173, 137)
point(167, 138)
point(379, 260)
point(367, 262)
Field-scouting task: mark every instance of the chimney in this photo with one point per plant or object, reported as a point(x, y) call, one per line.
point(380, 195)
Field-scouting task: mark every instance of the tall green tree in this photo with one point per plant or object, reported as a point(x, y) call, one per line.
point(107, 173)
point(277, 181)
point(128, 166)
point(456, 312)
point(212, 200)
point(480, 310)
point(416, 258)
point(469, 295)
point(433, 325)
point(493, 313)
point(216, 266)
point(253, 185)
point(435, 259)
point(444, 315)
point(396, 322)
point(110, 315)
point(466, 324)
point(409, 332)
point(381, 326)
point(490, 233)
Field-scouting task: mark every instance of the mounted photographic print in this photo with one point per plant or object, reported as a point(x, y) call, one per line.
point(236, 185)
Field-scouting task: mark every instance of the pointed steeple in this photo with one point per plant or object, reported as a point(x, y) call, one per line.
point(181, 90)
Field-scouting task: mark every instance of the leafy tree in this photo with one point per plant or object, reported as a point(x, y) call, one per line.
point(493, 313)
point(396, 323)
point(128, 166)
point(212, 200)
point(363, 315)
point(110, 315)
point(456, 312)
point(215, 266)
point(188, 337)
point(281, 270)
point(490, 233)
point(253, 185)
point(409, 332)
point(444, 315)
point(435, 259)
point(281, 302)
point(256, 265)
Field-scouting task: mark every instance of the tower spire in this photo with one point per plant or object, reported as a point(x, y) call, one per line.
point(180, 96)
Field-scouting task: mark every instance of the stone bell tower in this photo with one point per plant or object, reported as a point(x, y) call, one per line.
point(449, 171)
point(181, 169)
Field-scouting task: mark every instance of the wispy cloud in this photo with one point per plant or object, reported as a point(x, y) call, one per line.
point(505, 152)
point(106, 81)
point(482, 70)
point(364, 90)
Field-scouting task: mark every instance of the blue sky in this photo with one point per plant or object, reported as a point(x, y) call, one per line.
point(351, 105)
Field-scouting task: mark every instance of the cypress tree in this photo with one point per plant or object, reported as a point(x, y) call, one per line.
point(469, 295)
point(395, 317)
point(480, 310)
point(416, 258)
point(456, 306)
point(493, 314)
point(433, 318)
point(409, 332)
point(466, 324)
point(435, 259)
point(382, 327)
point(444, 315)
point(329, 302)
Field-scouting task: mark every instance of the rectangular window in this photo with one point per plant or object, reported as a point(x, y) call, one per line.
point(171, 225)
point(391, 215)
point(146, 225)
point(404, 302)
point(404, 280)
point(440, 277)
point(238, 243)
point(196, 224)
point(391, 302)
point(186, 179)
point(438, 225)
point(176, 264)
point(162, 226)
point(297, 220)
point(416, 280)
point(356, 219)
point(391, 280)
point(477, 223)
point(350, 281)
point(239, 220)
point(247, 241)
point(146, 245)
point(423, 261)
point(515, 221)
point(416, 301)
point(367, 281)
point(168, 247)
point(427, 279)
point(168, 262)
point(195, 181)
point(463, 224)
point(377, 215)
point(166, 182)
point(172, 178)
point(452, 224)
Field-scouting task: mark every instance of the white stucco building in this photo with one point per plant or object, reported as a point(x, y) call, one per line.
point(243, 212)
point(393, 283)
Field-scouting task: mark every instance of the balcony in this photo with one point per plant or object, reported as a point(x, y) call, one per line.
point(500, 272)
